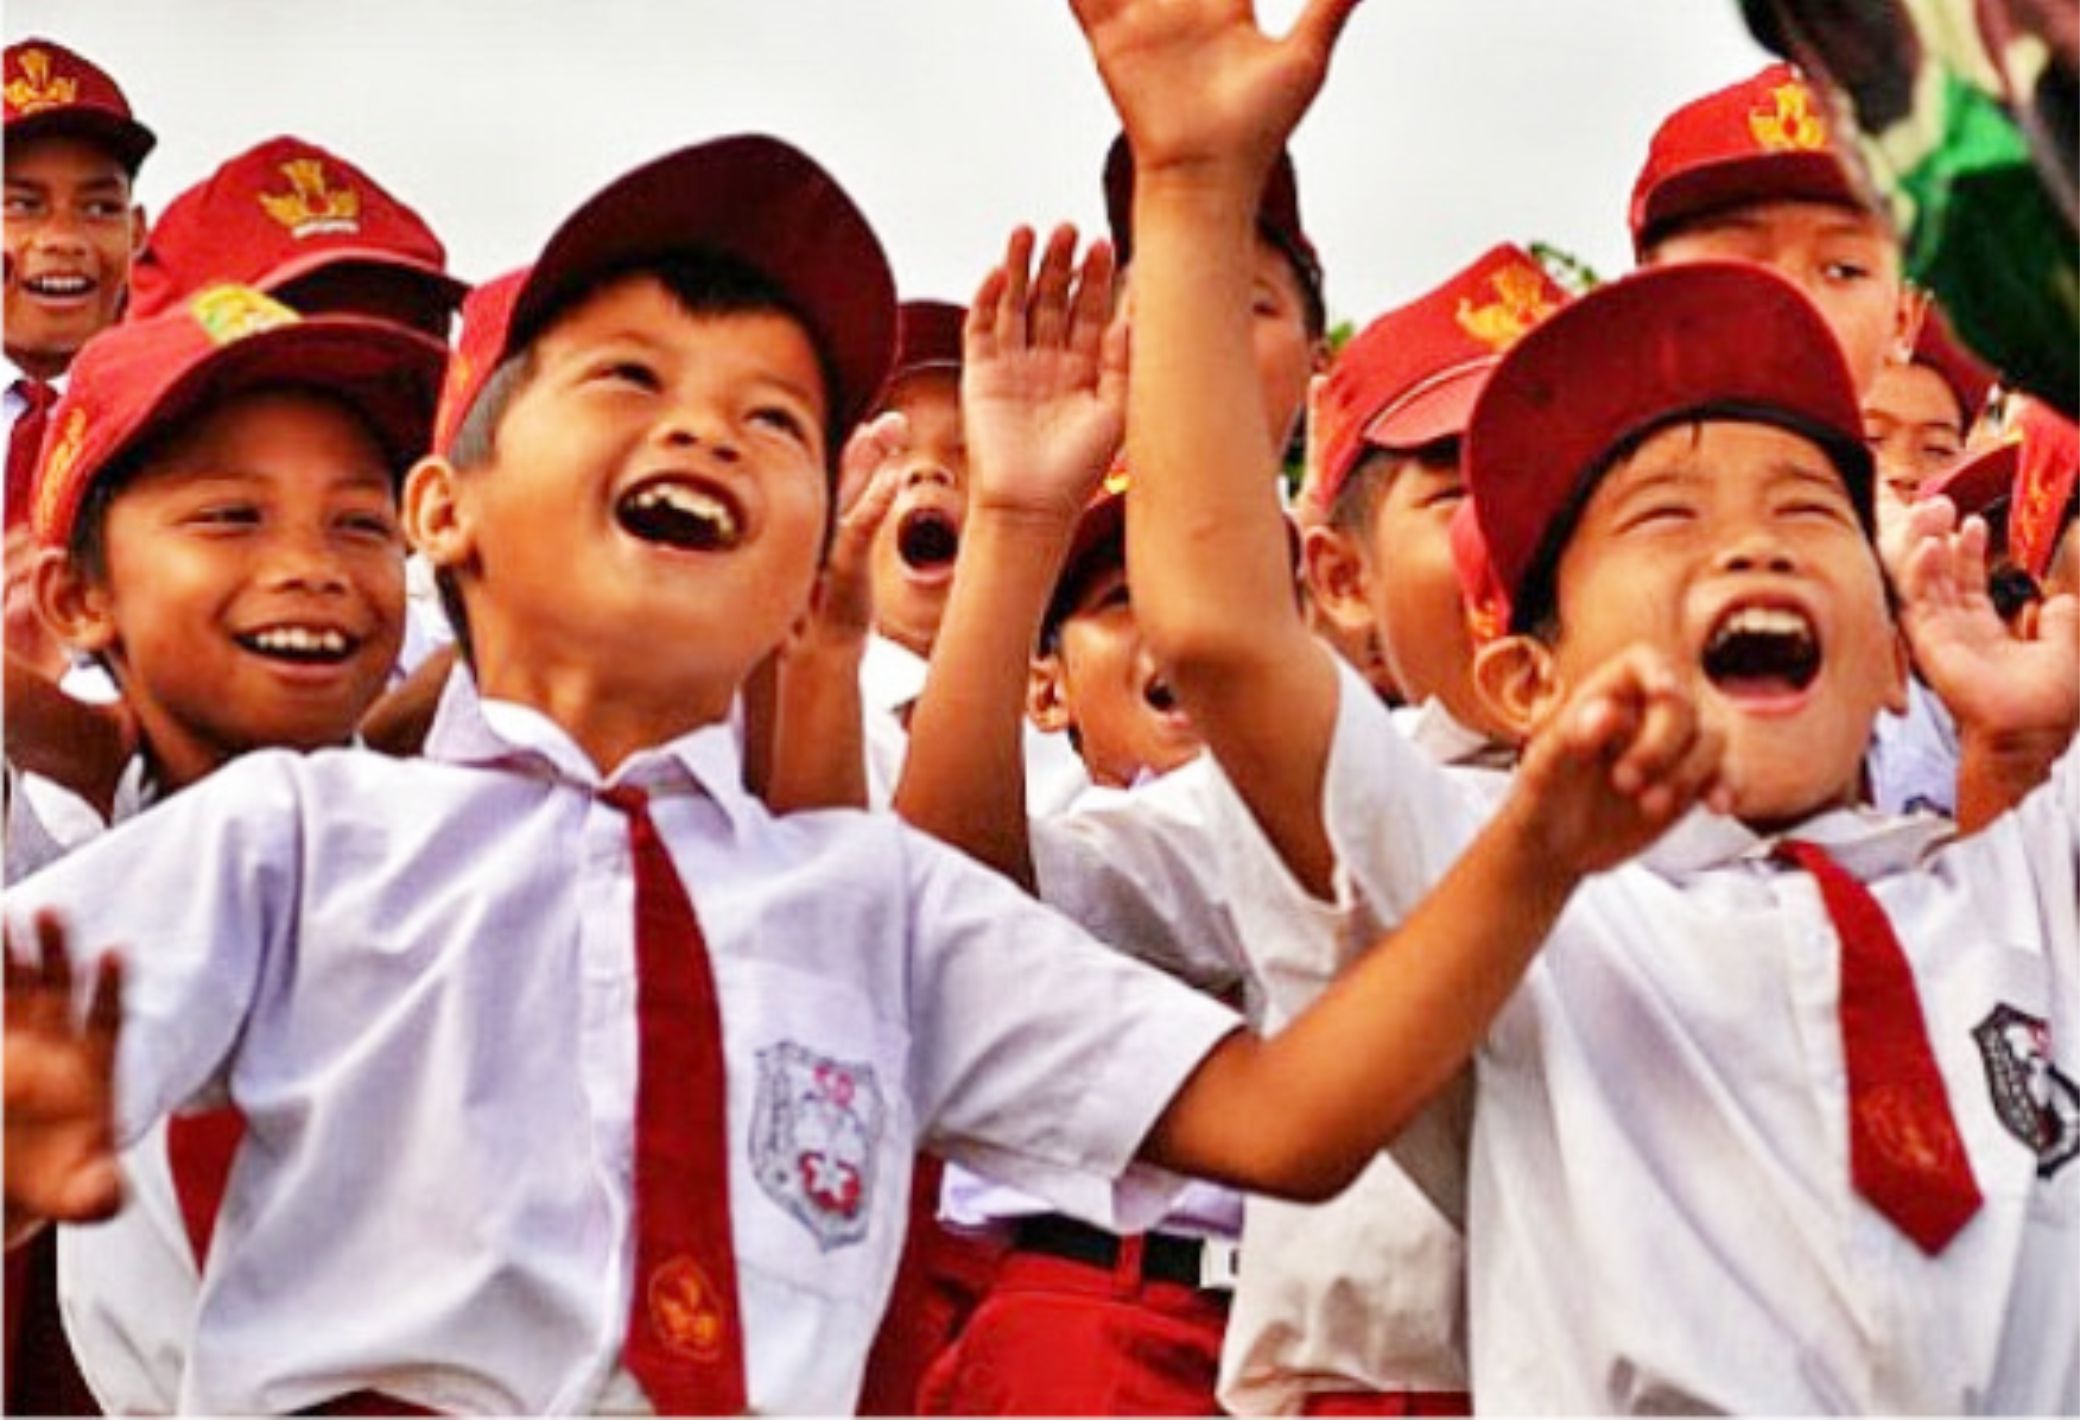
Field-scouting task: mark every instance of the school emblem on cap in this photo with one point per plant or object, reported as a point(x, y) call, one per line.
point(2035, 1100)
point(1789, 123)
point(815, 1129)
point(312, 208)
point(686, 1310)
point(228, 313)
point(1520, 303)
point(36, 88)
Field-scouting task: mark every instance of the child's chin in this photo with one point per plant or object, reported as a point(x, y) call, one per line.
point(1774, 791)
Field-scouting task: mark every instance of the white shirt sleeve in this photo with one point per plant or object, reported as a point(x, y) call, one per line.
point(1042, 1057)
point(199, 897)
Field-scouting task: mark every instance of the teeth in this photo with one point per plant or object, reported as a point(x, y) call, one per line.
point(690, 501)
point(306, 639)
point(60, 285)
point(1764, 621)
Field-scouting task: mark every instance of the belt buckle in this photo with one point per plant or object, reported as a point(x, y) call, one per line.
point(1220, 1265)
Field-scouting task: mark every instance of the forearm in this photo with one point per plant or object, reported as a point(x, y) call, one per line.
point(1301, 1113)
point(1996, 772)
point(397, 724)
point(62, 739)
point(815, 754)
point(964, 777)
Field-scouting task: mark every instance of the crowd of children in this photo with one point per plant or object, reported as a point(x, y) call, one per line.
point(725, 841)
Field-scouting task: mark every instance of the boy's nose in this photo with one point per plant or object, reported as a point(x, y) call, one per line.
point(1758, 551)
point(686, 429)
point(304, 564)
point(918, 475)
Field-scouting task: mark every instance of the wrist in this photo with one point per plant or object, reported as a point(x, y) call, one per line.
point(1037, 525)
point(1529, 854)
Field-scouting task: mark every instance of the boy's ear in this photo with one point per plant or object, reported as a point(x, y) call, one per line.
point(1902, 670)
point(1046, 704)
point(1907, 319)
point(1518, 683)
point(436, 522)
point(139, 226)
point(1334, 566)
point(77, 608)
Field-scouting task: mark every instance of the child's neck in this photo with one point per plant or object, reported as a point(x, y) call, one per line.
point(610, 714)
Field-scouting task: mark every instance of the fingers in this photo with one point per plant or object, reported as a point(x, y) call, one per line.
point(1090, 315)
point(105, 1014)
point(90, 1193)
point(1047, 314)
point(1320, 25)
point(1969, 552)
point(979, 329)
point(1011, 301)
point(1667, 727)
point(873, 446)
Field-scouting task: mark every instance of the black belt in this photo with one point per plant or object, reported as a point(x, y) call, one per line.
point(1164, 1257)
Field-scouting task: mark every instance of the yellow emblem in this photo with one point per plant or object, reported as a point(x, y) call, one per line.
point(1520, 303)
point(57, 469)
point(311, 207)
point(1116, 479)
point(686, 1310)
point(35, 89)
point(1792, 124)
point(228, 313)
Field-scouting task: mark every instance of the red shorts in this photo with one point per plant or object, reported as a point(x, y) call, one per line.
point(1396, 1402)
point(939, 1283)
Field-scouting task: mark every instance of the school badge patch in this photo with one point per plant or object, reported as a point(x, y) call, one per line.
point(814, 1133)
point(2034, 1098)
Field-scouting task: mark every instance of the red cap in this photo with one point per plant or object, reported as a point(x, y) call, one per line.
point(1487, 604)
point(1699, 339)
point(1765, 139)
point(755, 200)
point(487, 312)
point(1278, 212)
point(276, 213)
point(1970, 378)
point(1975, 484)
point(134, 380)
point(2044, 485)
point(49, 89)
point(1410, 378)
point(928, 337)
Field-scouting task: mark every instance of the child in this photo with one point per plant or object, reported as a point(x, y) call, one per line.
point(73, 150)
point(307, 227)
point(1919, 414)
point(1661, 1204)
point(651, 1162)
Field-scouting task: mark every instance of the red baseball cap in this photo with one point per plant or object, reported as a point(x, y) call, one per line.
point(1098, 531)
point(1410, 378)
point(2046, 477)
point(1970, 378)
point(928, 337)
point(758, 201)
point(1975, 484)
point(279, 212)
point(1278, 212)
point(487, 313)
point(1487, 604)
point(1712, 339)
point(49, 89)
point(134, 380)
point(1765, 139)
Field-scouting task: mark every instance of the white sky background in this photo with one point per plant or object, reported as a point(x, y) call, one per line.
point(1446, 125)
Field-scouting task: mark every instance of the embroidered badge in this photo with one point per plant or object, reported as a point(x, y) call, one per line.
point(1790, 124)
point(36, 88)
point(228, 313)
point(1520, 303)
point(2035, 1100)
point(685, 1311)
point(312, 208)
point(814, 1132)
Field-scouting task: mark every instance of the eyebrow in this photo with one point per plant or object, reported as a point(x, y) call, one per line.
point(1786, 470)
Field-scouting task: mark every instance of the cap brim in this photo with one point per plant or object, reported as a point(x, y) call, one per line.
point(759, 202)
point(1980, 481)
point(1763, 177)
point(1435, 411)
point(445, 287)
point(128, 139)
point(391, 374)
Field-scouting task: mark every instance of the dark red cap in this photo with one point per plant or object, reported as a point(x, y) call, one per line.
point(487, 312)
point(279, 212)
point(753, 199)
point(1977, 483)
point(1765, 139)
point(1713, 339)
point(1480, 590)
point(135, 380)
point(2048, 473)
point(1278, 212)
point(1410, 378)
point(928, 337)
point(49, 89)
point(1970, 378)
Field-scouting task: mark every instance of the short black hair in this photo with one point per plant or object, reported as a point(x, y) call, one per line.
point(1103, 555)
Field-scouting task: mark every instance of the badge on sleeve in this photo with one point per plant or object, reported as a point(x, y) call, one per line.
point(2035, 1099)
point(815, 1130)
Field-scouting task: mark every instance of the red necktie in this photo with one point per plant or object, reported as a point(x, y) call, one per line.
point(23, 442)
point(685, 1342)
point(1905, 1154)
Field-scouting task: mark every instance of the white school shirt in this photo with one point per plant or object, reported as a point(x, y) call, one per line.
point(1366, 1292)
point(416, 980)
point(891, 678)
point(1660, 1214)
point(1912, 760)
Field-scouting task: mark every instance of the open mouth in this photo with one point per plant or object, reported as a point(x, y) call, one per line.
point(1762, 653)
point(58, 288)
point(928, 539)
point(679, 513)
point(301, 645)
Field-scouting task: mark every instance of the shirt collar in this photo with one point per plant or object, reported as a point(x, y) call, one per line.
point(1438, 733)
point(1867, 843)
point(503, 734)
point(891, 675)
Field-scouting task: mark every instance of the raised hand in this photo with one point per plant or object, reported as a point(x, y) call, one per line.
point(1199, 86)
point(1043, 379)
point(869, 478)
point(59, 1072)
point(1623, 759)
point(1993, 681)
